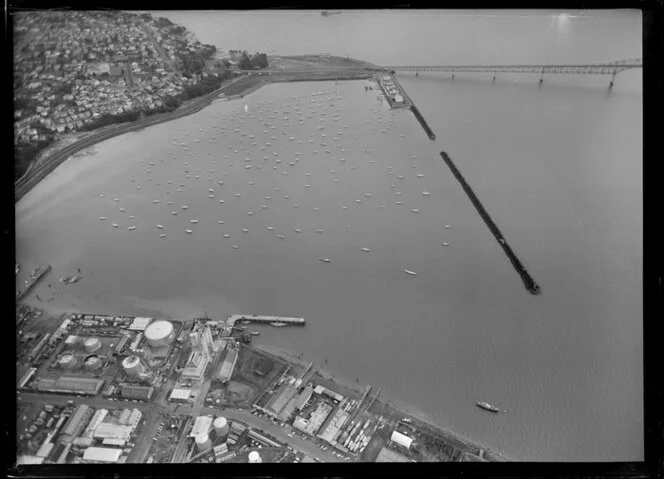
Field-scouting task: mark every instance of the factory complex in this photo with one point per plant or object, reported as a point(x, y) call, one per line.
point(113, 389)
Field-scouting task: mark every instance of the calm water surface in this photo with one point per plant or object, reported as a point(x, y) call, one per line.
point(557, 167)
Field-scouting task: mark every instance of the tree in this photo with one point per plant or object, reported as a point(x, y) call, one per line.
point(245, 63)
point(259, 60)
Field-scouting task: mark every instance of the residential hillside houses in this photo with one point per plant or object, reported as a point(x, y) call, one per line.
point(73, 67)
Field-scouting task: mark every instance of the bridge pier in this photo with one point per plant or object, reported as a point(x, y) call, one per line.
point(613, 79)
point(541, 80)
point(494, 77)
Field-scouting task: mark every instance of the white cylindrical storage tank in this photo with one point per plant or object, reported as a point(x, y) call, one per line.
point(221, 428)
point(132, 366)
point(159, 333)
point(254, 457)
point(203, 442)
point(92, 344)
point(93, 363)
point(67, 361)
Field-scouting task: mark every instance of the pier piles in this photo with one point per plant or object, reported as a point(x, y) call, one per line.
point(530, 284)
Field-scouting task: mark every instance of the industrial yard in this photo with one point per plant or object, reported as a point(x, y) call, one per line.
point(98, 388)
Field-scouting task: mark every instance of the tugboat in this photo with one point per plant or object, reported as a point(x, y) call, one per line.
point(487, 407)
point(325, 260)
point(18, 267)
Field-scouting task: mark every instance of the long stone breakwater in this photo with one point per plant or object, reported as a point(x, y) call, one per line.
point(423, 122)
point(529, 282)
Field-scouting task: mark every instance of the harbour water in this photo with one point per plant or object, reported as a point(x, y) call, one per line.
point(558, 168)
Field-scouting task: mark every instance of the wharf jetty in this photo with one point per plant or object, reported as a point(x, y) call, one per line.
point(530, 284)
point(35, 277)
point(232, 319)
point(408, 103)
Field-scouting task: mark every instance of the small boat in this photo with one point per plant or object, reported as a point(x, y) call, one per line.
point(325, 260)
point(185, 207)
point(227, 236)
point(235, 246)
point(319, 230)
point(220, 222)
point(174, 213)
point(102, 218)
point(155, 201)
point(188, 231)
point(280, 236)
point(486, 406)
point(250, 213)
point(448, 226)
point(297, 230)
point(412, 273)
point(446, 244)
point(255, 333)
point(132, 217)
point(366, 250)
point(270, 228)
point(415, 210)
point(162, 236)
point(278, 324)
point(131, 228)
point(115, 225)
point(18, 268)
point(245, 230)
point(426, 193)
point(122, 210)
point(193, 222)
point(420, 175)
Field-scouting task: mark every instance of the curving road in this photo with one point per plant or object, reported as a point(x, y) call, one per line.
point(36, 174)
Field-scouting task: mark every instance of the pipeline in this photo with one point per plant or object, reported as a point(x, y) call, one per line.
point(530, 284)
point(423, 122)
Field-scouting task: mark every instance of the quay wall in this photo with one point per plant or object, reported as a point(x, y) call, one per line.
point(528, 281)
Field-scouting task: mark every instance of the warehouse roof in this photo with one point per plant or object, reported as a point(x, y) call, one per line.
point(401, 439)
point(139, 324)
point(201, 426)
point(109, 430)
point(180, 394)
point(102, 454)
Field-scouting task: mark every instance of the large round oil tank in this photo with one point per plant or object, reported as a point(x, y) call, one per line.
point(132, 366)
point(93, 363)
point(254, 457)
point(221, 428)
point(92, 344)
point(203, 442)
point(67, 361)
point(159, 333)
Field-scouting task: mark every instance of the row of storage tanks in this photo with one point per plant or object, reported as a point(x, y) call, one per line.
point(158, 334)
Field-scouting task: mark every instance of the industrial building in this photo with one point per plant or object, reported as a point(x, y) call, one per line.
point(102, 454)
point(139, 324)
point(304, 397)
point(202, 424)
point(195, 367)
point(93, 363)
point(333, 425)
point(180, 395)
point(159, 333)
point(327, 392)
point(70, 384)
point(203, 442)
point(131, 391)
point(114, 431)
point(401, 439)
point(25, 379)
point(78, 420)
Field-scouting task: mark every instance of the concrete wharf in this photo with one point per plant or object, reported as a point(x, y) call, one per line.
point(263, 319)
point(34, 279)
point(408, 103)
point(530, 284)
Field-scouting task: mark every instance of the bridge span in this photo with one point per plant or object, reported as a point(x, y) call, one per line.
point(611, 68)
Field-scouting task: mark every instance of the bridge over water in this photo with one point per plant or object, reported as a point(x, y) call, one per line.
point(611, 68)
